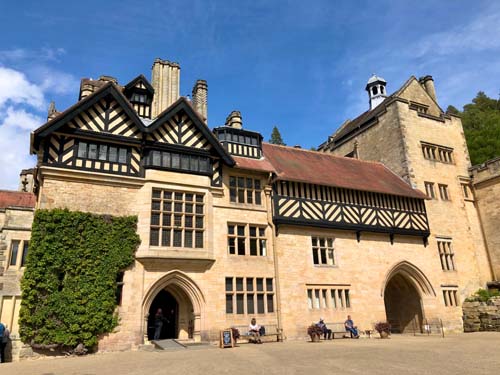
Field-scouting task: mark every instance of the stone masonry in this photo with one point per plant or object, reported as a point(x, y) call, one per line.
point(482, 316)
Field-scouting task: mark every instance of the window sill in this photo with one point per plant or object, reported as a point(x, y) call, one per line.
point(181, 254)
point(326, 266)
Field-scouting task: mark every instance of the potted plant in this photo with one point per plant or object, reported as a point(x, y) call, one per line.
point(384, 329)
point(314, 332)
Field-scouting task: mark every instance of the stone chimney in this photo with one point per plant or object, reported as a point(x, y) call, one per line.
point(165, 79)
point(86, 87)
point(427, 83)
point(52, 112)
point(234, 120)
point(26, 180)
point(199, 98)
point(108, 79)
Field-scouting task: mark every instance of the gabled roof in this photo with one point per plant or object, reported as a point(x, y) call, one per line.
point(16, 199)
point(370, 116)
point(183, 104)
point(139, 78)
point(293, 164)
point(84, 104)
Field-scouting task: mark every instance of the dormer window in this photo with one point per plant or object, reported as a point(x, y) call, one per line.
point(140, 94)
point(139, 98)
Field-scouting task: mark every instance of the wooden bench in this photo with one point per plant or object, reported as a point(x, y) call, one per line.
point(272, 330)
point(338, 328)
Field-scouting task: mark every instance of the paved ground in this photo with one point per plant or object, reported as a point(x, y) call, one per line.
point(475, 353)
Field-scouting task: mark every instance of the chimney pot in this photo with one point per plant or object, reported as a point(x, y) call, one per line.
point(427, 83)
point(234, 120)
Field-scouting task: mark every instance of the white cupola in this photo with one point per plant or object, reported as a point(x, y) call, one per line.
point(376, 90)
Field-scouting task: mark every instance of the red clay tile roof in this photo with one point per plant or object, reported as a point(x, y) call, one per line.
point(16, 199)
point(321, 168)
point(261, 165)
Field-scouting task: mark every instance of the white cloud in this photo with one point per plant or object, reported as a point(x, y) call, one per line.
point(27, 79)
point(21, 119)
point(480, 34)
point(21, 102)
point(43, 54)
point(16, 89)
point(14, 143)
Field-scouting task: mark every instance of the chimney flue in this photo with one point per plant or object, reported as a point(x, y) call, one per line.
point(165, 79)
point(234, 120)
point(427, 83)
point(200, 98)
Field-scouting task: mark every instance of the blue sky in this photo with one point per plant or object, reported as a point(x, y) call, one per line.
point(300, 65)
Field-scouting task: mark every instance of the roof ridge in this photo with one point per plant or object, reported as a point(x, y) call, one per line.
point(15, 191)
point(328, 154)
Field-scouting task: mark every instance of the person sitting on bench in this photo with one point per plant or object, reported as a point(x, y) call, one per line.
point(350, 327)
point(326, 332)
point(254, 330)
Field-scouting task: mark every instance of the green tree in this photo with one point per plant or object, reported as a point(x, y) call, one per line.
point(69, 284)
point(481, 122)
point(276, 137)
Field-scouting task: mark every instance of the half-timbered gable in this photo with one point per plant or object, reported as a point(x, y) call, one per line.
point(140, 94)
point(100, 133)
point(180, 140)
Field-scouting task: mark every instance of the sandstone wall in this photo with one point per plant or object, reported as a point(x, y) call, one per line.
point(482, 316)
point(486, 182)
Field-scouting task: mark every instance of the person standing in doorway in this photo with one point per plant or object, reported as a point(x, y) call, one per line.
point(159, 319)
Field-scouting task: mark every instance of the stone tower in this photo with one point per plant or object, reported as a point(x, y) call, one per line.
point(376, 90)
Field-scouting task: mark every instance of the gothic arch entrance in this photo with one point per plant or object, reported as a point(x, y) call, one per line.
point(181, 302)
point(403, 291)
point(165, 301)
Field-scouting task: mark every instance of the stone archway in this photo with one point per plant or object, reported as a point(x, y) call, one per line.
point(403, 292)
point(189, 304)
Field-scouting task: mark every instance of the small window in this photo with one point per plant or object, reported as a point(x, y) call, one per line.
point(443, 192)
point(14, 250)
point(450, 297)
point(247, 300)
point(374, 90)
point(82, 150)
point(429, 190)
point(245, 190)
point(446, 254)
point(323, 251)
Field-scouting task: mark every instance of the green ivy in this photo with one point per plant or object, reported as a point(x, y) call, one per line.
point(69, 283)
point(483, 295)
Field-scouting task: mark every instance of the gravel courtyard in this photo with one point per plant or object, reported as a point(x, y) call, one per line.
point(475, 353)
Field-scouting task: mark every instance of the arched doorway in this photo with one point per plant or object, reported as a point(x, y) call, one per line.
point(182, 303)
point(403, 305)
point(170, 308)
point(404, 290)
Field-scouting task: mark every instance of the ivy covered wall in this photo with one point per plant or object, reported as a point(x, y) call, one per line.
point(69, 283)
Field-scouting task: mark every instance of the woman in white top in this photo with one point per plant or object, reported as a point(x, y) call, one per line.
point(253, 330)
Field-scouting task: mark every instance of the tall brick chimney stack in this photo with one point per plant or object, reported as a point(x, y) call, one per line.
point(200, 98)
point(427, 83)
point(234, 120)
point(165, 79)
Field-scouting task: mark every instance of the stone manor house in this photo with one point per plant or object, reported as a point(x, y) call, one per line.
point(383, 222)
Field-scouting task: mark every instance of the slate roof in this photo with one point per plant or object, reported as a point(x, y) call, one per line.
point(358, 122)
point(294, 164)
point(16, 199)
